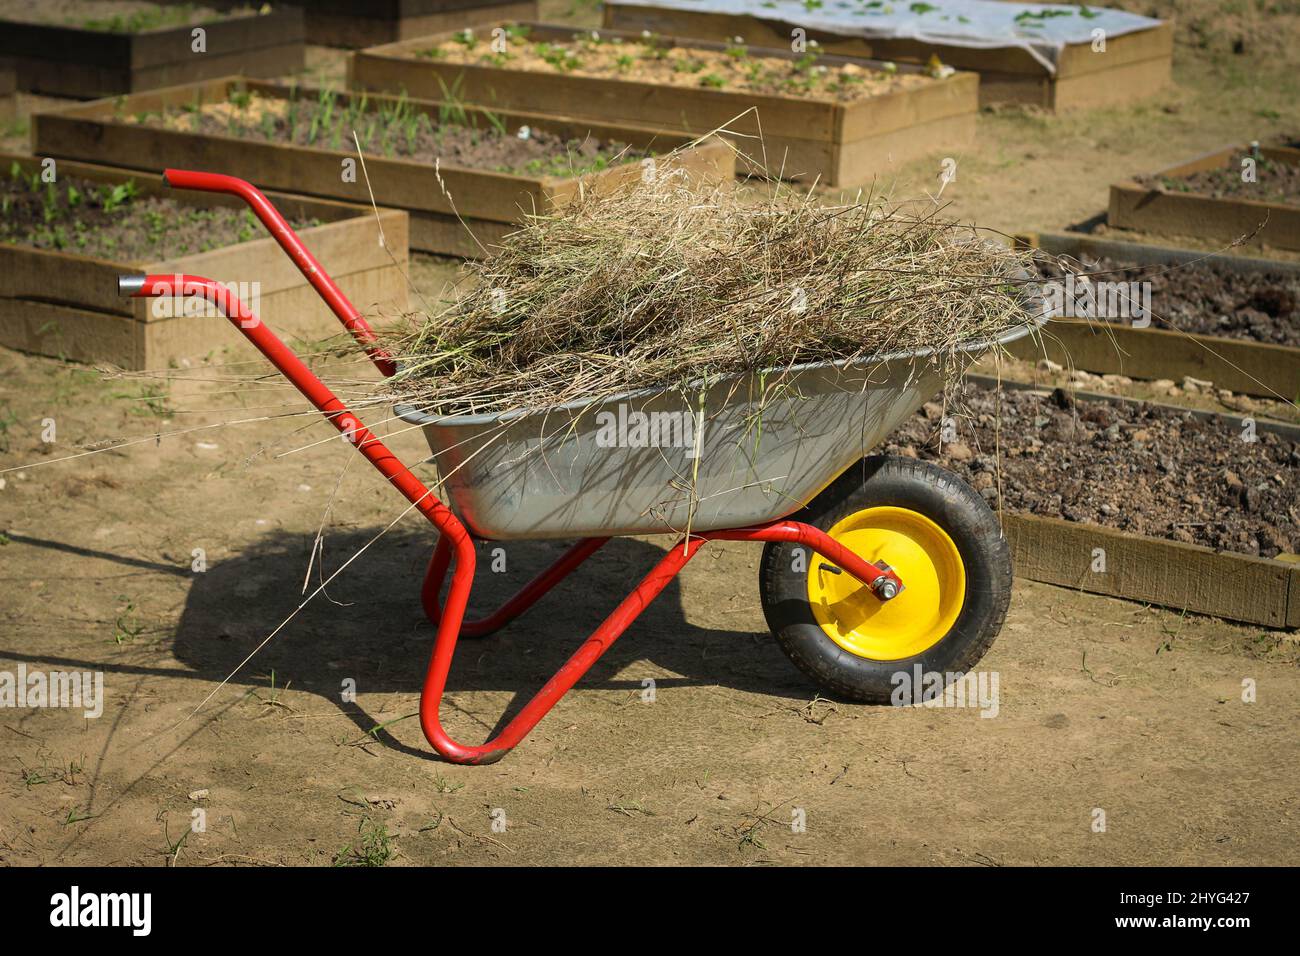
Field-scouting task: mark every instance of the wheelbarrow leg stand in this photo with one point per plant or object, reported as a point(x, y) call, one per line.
point(602, 638)
point(569, 673)
point(517, 605)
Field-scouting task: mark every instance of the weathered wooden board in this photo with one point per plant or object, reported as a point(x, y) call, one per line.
point(361, 23)
point(66, 305)
point(1132, 67)
point(60, 60)
point(838, 144)
point(1237, 364)
point(484, 199)
point(1167, 212)
point(1168, 573)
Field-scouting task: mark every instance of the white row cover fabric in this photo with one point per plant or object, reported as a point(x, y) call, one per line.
point(1042, 30)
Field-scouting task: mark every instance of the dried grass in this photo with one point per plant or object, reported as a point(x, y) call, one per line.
point(659, 284)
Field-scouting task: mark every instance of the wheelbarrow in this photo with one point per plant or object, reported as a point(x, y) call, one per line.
point(872, 566)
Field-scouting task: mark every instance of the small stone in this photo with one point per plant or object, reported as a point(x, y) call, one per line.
point(1047, 365)
point(1232, 481)
point(958, 451)
point(198, 795)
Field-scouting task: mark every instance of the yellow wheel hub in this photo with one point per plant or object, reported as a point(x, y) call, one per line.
point(923, 557)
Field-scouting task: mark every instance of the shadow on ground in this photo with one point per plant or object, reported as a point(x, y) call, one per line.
point(368, 625)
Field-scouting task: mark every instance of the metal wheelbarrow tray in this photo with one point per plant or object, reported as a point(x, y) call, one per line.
point(904, 566)
point(740, 451)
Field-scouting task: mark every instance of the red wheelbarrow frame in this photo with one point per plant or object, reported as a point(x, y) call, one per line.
point(454, 539)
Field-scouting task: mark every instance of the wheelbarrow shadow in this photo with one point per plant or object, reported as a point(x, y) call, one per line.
point(367, 626)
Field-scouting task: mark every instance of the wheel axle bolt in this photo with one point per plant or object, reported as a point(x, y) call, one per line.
point(885, 588)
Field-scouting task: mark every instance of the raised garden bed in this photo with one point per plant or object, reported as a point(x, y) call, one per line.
point(361, 23)
point(1230, 320)
point(64, 244)
point(487, 175)
point(1188, 514)
point(94, 48)
point(1134, 65)
point(1206, 197)
point(832, 119)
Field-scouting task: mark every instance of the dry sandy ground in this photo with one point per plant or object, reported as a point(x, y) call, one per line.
point(1104, 705)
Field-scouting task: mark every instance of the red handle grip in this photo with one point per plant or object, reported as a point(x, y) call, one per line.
point(283, 233)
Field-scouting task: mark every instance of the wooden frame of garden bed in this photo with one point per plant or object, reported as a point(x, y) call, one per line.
point(489, 204)
point(362, 23)
point(1134, 66)
point(1236, 587)
point(66, 305)
point(69, 61)
point(1192, 577)
point(838, 144)
point(1240, 365)
point(1165, 212)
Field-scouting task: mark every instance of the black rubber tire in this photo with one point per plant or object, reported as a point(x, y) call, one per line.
point(943, 498)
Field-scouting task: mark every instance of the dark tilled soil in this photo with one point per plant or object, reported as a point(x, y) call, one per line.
point(1205, 298)
point(112, 222)
point(1138, 468)
point(1274, 182)
point(402, 133)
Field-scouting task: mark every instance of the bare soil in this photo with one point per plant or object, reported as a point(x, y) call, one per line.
point(114, 222)
point(652, 61)
point(1275, 181)
point(1206, 298)
point(1134, 467)
point(400, 132)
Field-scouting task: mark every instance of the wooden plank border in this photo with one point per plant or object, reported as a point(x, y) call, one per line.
point(1172, 574)
point(1160, 211)
point(1240, 365)
point(361, 23)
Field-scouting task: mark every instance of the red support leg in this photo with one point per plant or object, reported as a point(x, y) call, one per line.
point(603, 638)
point(600, 641)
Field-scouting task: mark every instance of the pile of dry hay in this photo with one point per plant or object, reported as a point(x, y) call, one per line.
point(661, 285)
